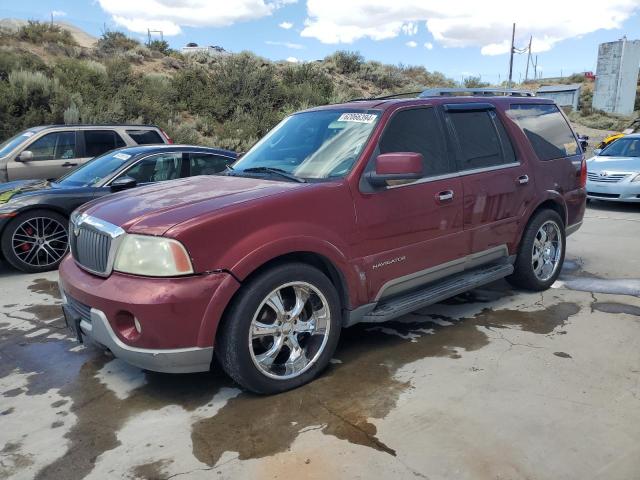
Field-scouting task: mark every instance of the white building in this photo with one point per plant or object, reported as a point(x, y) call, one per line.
point(563, 95)
point(617, 76)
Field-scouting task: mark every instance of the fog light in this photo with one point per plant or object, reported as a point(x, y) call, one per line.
point(127, 325)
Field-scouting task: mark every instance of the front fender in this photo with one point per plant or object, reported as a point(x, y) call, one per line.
point(287, 245)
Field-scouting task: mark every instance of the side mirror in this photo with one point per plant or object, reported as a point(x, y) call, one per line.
point(123, 183)
point(399, 166)
point(597, 151)
point(25, 156)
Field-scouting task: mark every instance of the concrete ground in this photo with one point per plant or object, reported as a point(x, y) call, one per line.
point(494, 384)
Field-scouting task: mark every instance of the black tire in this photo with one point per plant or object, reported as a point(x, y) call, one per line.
point(233, 349)
point(524, 275)
point(43, 260)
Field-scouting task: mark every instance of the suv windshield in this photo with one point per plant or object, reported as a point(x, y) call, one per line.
point(318, 144)
point(95, 170)
point(7, 146)
point(623, 147)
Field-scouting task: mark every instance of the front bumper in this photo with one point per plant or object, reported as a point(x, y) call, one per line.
point(96, 329)
point(622, 191)
point(177, 316)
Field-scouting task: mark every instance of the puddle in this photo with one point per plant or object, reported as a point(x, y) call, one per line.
point(44, 313)
point(45, 287)
point(562, 355)
point(151, 471)
point(574, 277)
point(341, 403)
point(615, 286)
point(344, 399)
point(101, 414)
point(614, 307)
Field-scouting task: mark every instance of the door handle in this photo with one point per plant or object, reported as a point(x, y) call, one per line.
point(445, 195)
point(523, 179)
point(69, 164)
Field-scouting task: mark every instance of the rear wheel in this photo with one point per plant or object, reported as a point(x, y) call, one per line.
point(541, 252)
point(36, 241)
point(281, 330)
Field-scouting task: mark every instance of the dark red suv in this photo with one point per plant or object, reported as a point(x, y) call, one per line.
point(358, 212)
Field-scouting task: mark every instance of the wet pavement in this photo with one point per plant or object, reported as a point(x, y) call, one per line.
point(495, 383)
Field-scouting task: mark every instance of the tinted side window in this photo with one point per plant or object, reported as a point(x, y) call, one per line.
point(98, 142)
point(157, 168)
point(54, 146)
point(482, 139)
point(418, 130)
point(546, 129)
point(207, 164)
point(145, 137)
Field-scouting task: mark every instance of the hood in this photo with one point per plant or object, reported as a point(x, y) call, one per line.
point(154, 209)
point(11, 190)
point(614, 164)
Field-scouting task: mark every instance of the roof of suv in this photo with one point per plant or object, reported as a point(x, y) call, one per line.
point(385, 104)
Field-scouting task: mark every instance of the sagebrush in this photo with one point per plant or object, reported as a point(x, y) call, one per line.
point(226, 100)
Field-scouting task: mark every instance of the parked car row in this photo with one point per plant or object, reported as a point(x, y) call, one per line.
point(613, 174)
point(34, 214)
point(362, 211)
point(51, 151)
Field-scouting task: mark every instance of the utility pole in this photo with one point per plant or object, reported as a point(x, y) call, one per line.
point(526, 72)
point(535, 68)
point(513, 37)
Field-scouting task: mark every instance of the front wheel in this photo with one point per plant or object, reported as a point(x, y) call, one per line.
point(36, 241)
point(541, 253)
point(281, 330)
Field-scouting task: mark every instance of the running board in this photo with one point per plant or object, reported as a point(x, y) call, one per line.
point(440, 290)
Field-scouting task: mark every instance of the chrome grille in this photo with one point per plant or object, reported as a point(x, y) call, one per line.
point(93, 243)
point(91, 249)
point(607, 178)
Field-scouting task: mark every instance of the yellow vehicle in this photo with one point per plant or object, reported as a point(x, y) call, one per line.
point(633, 128)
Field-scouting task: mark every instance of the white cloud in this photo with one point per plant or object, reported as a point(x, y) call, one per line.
point(285, 25)
point(58, 13)
point(295, 46)
point(411, 44)
point(170, 15)
point(410, 28)
point(428, 45)
point(292, 60)
point(485, 25)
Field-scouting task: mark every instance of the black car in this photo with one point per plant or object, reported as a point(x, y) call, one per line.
point(34, 213)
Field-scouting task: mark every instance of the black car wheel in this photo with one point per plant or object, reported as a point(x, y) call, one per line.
point(36, 241)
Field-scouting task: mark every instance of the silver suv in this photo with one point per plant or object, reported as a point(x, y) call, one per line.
point(51, 151)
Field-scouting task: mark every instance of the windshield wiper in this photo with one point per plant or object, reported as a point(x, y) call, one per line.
point(275, 171)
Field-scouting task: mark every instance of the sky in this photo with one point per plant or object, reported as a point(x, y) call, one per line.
point(459, 38)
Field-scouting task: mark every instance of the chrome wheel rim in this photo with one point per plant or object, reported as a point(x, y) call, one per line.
point(40, 241)
point(547, 251)
point(289, 330)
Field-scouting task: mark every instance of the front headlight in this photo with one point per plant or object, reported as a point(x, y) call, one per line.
point(152, 256)
point(636, 178)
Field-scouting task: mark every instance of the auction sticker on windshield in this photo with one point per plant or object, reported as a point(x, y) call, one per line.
point(357, 117)
point(122, 156)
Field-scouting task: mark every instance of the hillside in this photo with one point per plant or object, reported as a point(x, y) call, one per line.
point(48, 76)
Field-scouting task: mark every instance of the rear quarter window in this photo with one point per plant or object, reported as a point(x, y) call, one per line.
point(546, 128)
point(145, 137)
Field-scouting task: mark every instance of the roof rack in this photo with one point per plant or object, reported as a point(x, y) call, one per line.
point(385, 97)
point(475, 92)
